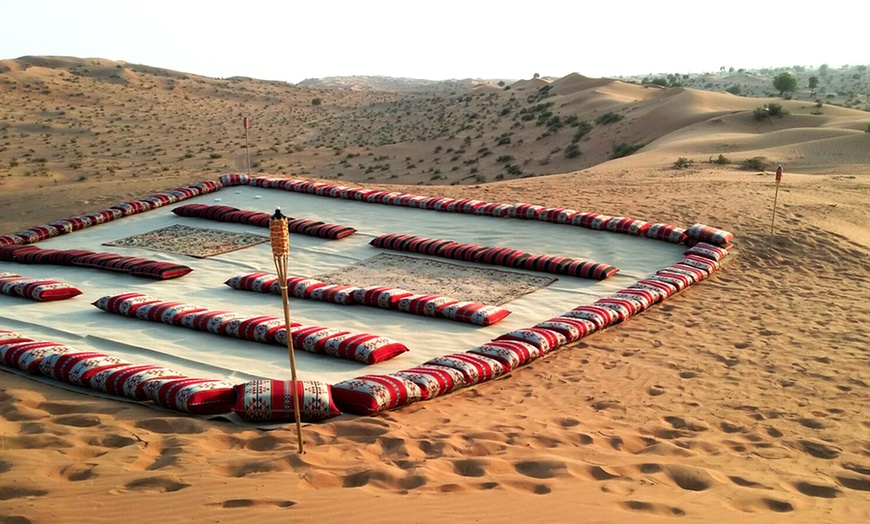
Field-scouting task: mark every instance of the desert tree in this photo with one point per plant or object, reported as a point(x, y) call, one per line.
point(813, 84)
point(785, 82)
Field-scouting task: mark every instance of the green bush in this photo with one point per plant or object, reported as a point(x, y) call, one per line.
point(583, 128)
point(572, 151)
point(608, 118)
point(722, 160)
point(756, 163)
point(623, 149)
point(683, 163)
point(504, 158)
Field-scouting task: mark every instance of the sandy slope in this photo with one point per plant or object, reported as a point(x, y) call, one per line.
point(743, 399)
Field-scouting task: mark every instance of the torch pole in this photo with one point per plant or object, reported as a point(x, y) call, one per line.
point(775, 197)
point(247, 148)
point(280, 237)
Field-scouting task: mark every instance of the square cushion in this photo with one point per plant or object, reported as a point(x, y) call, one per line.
point(273, 401)
point(473, 313)
point(59, 365)
point(664, 289)
point(628, 226)
point(258, 281)
point(380, 296)
point(127, 380)
point(426, 305)
point(461, 251)
point(679, 280)
point(425, 246)
point(586, 269)
point(200, 396)
point(372, 394)
point(511, 353)
point(623, 308)
point(475, 368)
point(334, 293)
point(600, 317)
point(544, 339)
point(27, 355)
point(330, 231)
point(433, 381)
point(300, 287)
point(84, 369)
point(703, 263)
point(391, 241)
point(709, 235)
point(573, 329)
point(706, 250)
point(160, 270)
point(363, 347)
point(46, 290)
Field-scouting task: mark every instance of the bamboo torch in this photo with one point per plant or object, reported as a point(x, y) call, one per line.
point(280, 237)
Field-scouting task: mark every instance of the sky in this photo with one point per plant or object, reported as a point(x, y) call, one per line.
point(441, 39)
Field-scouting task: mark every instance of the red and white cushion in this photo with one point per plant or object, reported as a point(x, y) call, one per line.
point(433, 381)
point(544, 339)
point(128, 381)
point(200, 396)
point(573, 329)
point(679, 280)
point(59, 365)
point(274, 400)
point(258, 281)
point(511, 353)
point(363, 347)
point(663, 289)
point(628, 226)
point(667, 232)
point(709, 235)
point(381, 296)
point(426, 305)
point(703, 249)
point(624, 308)
point(475, 368)
point(473, 313)
point(703, 263)
point(335, 293)
point(372, 394)
point(27, 356)
point(600, 317)
point(41, 290)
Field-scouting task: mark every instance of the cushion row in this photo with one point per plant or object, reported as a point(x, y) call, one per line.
point(361, 347)
point(39, 289)
point(224, 213)
point(503, 256)
point(384, 297)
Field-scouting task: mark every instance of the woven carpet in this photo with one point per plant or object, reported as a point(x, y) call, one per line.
point(426, 276)
point(195, 242)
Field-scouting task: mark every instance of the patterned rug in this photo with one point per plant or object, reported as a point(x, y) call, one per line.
point(191, 241)
point(426, 276)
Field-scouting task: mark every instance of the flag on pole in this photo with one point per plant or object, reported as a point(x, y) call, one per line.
point(246, 122)
point(779, 174)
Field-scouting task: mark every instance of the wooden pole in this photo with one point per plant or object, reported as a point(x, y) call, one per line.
point(775, 197)
point(247, 149)
point(280, 237)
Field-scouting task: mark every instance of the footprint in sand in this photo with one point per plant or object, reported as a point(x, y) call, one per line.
point(250, 503)
point(160, 484)
point(541, 469)
point(17, 492)
point(77, 472)
point(812, 489)
point(652, 507)
point(817, 449)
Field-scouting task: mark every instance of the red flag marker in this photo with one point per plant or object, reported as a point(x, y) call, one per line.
point(246, 122)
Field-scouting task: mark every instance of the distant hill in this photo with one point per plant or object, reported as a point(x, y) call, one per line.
point(401, 85)
point(67, 120)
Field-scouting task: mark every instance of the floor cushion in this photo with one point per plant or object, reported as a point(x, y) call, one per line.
point(273, 401)
point(433, 381)
point(600, 317)
point(473, 313)
point(709, 235)
point(200, 396)
point(475, 367)
point(544, 339)
point(370, 394)
point(511, 353)
point(573, 329)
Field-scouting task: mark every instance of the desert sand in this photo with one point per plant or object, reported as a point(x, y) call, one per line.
point(744, 398)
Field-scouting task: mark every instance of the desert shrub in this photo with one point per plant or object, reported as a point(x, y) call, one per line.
point(582, 130)
point(683, 163)
point(868, 129)
point(572, 151)
point(514, 169)
point(756, 163)
point(608, 118)
point(505, 138)
point(734, 90)
point(622, 149)
point(504, 158)
point(215, 155)
point(722, 160)
point(776, 110)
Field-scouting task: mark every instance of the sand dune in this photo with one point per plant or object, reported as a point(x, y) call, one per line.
point(743, 399)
